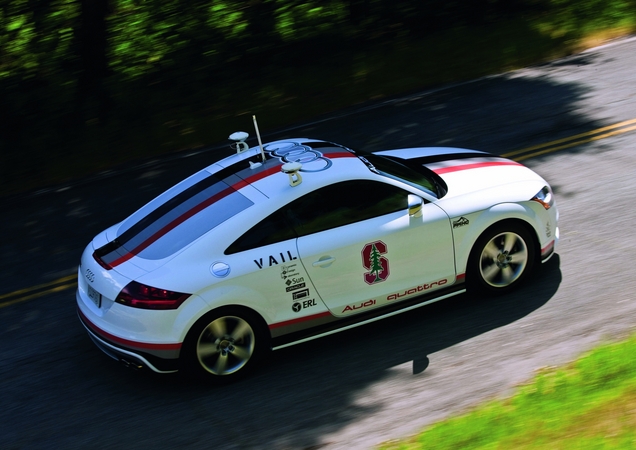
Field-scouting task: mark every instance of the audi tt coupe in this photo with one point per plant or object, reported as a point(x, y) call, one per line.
point(297, 239)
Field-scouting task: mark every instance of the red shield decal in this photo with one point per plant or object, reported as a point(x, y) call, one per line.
point(376, 264)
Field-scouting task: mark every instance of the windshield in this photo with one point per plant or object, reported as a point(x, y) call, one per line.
point(417, 176)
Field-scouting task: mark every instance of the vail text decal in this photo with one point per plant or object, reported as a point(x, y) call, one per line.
point(376, 264)
point(273, 261)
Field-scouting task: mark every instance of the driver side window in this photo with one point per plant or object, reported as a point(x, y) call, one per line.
point(329, 207)
point(344, 203)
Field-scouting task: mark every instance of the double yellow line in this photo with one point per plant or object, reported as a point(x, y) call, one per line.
point(70, 281)
point(572, 141)
point(40, 290)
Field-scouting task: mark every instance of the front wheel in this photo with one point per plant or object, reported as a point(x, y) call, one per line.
point(224, 345)
point(501, 259)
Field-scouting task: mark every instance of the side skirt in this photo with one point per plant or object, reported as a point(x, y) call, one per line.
point(347, 323)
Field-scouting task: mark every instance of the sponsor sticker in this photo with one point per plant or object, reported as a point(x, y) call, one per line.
point(299, 306)
point(295, 287)
point(300, 294)
point(376, 264)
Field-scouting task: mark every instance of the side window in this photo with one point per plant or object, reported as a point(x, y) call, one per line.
point(344, 203)
point(333, 206)
point(270, 230)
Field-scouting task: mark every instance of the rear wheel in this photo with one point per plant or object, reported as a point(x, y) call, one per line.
point(224, 345)
point(502, 258)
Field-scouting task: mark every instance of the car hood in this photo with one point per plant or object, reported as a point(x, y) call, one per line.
point(464, 171)
point(473, 177)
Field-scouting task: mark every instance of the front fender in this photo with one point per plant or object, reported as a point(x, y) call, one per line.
point(466, 234)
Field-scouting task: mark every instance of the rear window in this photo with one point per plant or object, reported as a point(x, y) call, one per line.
point(177, 218)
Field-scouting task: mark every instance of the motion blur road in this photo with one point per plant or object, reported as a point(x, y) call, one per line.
point(383, 381)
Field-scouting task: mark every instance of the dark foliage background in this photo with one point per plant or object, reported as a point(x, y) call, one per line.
point(85, 84)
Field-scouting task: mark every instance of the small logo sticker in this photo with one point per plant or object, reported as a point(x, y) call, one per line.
point(300, 294)
point(462, 221)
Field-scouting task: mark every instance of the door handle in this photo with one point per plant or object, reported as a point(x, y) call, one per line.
point(325, 261)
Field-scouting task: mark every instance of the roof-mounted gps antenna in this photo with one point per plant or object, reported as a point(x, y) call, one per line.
point(292, 169)
point(258, 135)
point(239, 137)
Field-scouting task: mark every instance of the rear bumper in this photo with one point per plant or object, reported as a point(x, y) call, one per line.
point(161, 358)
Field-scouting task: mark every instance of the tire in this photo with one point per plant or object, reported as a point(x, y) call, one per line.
point(224, 345)
point(501, 260)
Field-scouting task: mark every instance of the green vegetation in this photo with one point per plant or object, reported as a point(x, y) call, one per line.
point(590, 404)
point(87, 84)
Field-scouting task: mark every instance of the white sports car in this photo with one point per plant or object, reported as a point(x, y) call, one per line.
point(297, 239)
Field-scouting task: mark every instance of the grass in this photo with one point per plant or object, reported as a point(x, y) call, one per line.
point(148, 123)
point(589, 404)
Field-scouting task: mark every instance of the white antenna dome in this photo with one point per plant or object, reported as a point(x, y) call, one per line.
point(292, 170)
point(239, 138)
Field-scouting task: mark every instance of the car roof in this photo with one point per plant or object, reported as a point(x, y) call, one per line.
point(224, 189)
point(321, 162)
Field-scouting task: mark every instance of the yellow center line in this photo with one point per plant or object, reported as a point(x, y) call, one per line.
point(25, 298)
point(574, 144)
point(68, 282)
point(573, 141)
point(39, 286)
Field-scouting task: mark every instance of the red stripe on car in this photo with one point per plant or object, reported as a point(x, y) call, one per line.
point(335, 155)
point(480, 165)
point(547, 248)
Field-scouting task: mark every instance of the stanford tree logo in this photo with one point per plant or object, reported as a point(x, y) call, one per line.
point(376, 264)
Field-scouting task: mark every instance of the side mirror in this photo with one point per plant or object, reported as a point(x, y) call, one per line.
point(415, 205)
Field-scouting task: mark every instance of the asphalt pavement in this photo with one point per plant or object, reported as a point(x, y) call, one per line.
point(361, 387)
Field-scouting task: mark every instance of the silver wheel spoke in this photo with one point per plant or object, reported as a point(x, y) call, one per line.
point(220, 365)
point(241, 330)
point(490, 272)
point(509, 242)
point(508, 275)
point(207, 349)
point(519, 257)
point(491, 250)
point(241, 352)
point(218, 328)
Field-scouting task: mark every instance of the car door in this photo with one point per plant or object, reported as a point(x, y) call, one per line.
point(362, 249)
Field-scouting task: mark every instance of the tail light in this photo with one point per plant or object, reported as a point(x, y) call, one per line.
point(139, 295)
